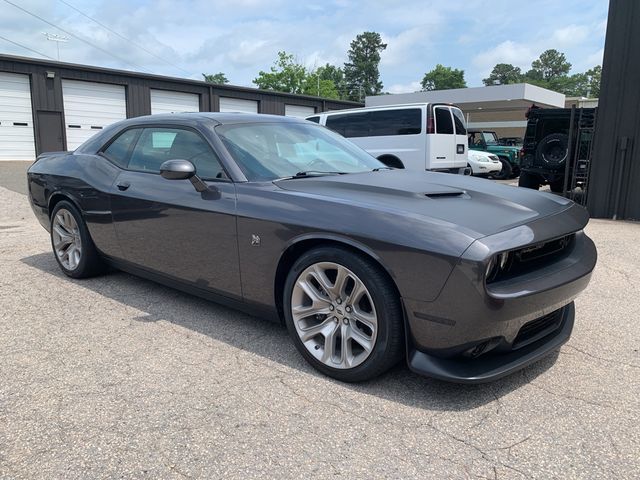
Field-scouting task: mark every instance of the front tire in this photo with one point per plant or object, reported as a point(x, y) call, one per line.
point(72, 245)
point(529, 180)
point(343, 314)
point(505, 173)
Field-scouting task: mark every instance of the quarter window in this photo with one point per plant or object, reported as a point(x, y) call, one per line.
point(314, 119)
point(119, 150)
point(157, 145)
point(444, 124)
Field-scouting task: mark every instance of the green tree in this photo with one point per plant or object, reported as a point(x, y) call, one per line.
point(576, 85)
point(593, 79)
point(361, 72)
point(443, 78)
point(219, 78)
point(336, 75)
point(320, 87)
point(286, 75)
point(550, 65)
point(503, 74)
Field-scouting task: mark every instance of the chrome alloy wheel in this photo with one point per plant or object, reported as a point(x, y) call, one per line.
point(66, 239)
point(334, 315)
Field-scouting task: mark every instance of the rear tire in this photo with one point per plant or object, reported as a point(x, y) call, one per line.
point(349, 323)
point(529, 180)
point(72, 245)
point(557, 186)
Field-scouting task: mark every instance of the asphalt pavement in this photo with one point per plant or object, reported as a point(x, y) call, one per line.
point(118, 377)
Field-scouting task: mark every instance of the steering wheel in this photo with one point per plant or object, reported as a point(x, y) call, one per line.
point(316, 161)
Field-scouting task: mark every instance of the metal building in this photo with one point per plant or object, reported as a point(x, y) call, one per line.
point(49, 106)
point(614, 185)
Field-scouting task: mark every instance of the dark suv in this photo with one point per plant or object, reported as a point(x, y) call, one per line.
point(545, 149)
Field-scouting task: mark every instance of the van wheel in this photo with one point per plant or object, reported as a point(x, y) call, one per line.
point(505, 173)
point(391, 161)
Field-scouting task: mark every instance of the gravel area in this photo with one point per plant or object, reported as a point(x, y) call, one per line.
point(117, 377)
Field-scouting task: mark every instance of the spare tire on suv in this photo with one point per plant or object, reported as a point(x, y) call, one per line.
point(553, 149)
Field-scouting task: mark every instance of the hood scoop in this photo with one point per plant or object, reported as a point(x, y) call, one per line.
point(444, 192)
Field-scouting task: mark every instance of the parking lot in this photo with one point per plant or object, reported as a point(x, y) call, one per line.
point(117, 377)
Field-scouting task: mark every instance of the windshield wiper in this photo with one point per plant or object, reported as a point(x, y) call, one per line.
point(311, 173)
point(382, 168)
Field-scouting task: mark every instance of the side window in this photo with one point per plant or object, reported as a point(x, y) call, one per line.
point(395, 122)
point(458, 119)
point(349, 126)
point(157, 145)
point(444, 124)
point(118, 151)
point(314, 119)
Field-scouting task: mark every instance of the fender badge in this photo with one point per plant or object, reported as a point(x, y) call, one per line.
point(255, 240)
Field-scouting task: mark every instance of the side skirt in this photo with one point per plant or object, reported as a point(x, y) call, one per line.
point(263, 311)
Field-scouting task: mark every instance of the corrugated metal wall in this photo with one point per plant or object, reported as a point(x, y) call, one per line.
point(46, 93)
point(614, 186)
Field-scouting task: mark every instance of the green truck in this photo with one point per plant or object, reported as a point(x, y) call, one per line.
point(509, 155)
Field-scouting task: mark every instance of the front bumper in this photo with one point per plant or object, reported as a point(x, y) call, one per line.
point(496, 365)
point(471, 331)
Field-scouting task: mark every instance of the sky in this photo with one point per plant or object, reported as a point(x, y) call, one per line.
point(241, 37)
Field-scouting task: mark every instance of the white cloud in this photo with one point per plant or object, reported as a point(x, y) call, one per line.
point(569, 35)
point(506, 52)
point(404, 88)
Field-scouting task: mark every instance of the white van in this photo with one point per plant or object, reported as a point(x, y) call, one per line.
point(420, 136)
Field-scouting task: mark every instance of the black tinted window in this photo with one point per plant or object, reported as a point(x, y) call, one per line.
point(118, 151)
point(314, 119)
point(444, 124)
point(394, 122)
point(157, 145)
point(353, 125)
point(459, 121)
point(377, 123)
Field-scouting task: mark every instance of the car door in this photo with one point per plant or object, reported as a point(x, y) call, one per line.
point(443, 143)
point(166, 226)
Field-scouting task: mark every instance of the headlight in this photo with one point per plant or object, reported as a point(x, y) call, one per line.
point(478, 158)
point(498, 264)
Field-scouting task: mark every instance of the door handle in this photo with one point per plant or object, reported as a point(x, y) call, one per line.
point(123, 185)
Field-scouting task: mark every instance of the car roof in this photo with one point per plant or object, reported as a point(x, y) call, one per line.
point(219, 118)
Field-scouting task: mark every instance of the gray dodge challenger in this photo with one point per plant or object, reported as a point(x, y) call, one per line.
point(466, 279)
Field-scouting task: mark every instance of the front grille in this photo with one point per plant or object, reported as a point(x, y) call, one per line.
point(534, 257)
point(538, 251)
point(538, 328)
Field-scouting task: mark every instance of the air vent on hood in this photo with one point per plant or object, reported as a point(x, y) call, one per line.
point(444, 194)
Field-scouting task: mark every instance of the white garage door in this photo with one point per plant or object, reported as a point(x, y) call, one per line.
point(164, 101)
point(16, 120)
point(89, 107)
point(298, 111)
point(238, 105)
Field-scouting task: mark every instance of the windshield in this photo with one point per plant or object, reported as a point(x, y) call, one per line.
point(490, 138)
point(267, 151)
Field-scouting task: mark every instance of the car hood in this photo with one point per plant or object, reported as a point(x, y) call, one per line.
point(476, 206)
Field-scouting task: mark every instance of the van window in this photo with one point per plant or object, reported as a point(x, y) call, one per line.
point(377, 123)
point(349, 126)
point(458, 119)
point(395, 122)
point(444, 124)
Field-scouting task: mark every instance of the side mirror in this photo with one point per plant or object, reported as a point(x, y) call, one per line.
point(177, 170)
